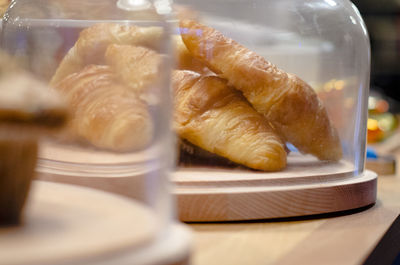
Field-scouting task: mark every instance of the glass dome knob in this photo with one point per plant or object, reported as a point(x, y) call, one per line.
point(133, 5)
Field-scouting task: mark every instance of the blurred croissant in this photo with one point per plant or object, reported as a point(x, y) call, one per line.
point(138, 67)
point(289, 103)
point(210, 114)
point(105, 112)
point(93, 42)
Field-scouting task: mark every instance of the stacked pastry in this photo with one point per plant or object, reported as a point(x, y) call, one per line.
point(228, 101)
point(287, 102)
point(107, 78)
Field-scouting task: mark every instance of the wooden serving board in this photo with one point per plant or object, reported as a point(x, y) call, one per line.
point(306, 187)
point(65, 224)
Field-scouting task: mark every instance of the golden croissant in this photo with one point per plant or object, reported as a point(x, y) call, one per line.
point(141, 67)
point(184, 59)
point(212, 115)
point(138, 67)
point(93, 42)
point(105, 112)
point(288, 102)
point(192, 155)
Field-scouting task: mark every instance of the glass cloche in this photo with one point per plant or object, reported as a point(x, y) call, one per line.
point(104, 176)
point(271, 109)
point(269, 101)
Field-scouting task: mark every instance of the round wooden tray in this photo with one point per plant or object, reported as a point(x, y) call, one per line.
point(66, 224)
point(306, 187)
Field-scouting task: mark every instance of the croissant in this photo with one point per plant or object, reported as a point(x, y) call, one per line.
point(105, 112)
point(288, 102)
point(184, 59)
point(93, 42)
point(212, 115)
point(192, 155)
point(138, 67)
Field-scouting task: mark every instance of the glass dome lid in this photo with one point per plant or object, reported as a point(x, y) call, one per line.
point(304, 66)
point(271, 94)
point(266, 93)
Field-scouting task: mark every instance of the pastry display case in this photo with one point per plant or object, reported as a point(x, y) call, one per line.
point(271, 109)
point(268, 101)
point(102, 187)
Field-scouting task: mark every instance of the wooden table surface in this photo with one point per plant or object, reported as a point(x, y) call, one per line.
point(333, 239)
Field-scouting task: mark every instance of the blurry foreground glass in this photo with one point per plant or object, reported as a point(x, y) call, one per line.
point(109, 60)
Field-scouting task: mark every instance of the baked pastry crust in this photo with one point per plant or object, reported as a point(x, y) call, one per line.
point(288, 102)
point(93, 42)
point(138, 67)
point(184, 59)
point(192, 155)
point(212, 115)
point(106, 112)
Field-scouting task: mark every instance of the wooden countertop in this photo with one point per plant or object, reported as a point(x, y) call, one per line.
point(330, 239)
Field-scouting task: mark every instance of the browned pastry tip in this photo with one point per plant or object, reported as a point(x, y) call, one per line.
point(288, 102)
point(184, 59)
point(93, 42)
point(105, 112)
point(212, 115)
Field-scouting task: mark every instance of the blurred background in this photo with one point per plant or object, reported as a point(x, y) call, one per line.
point(383, 22)
point(382, 18)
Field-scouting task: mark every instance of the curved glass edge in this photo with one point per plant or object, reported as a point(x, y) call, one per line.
point(35, 40)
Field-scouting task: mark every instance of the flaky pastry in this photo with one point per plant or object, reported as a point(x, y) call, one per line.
point(93, 42)
point(192, 155)
point(104, 111)
point(184, 59)
point(138, 67)
point(288, 102)
point(212, 115)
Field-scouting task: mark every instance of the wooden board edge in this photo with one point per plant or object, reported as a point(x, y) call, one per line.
point(249, 203)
